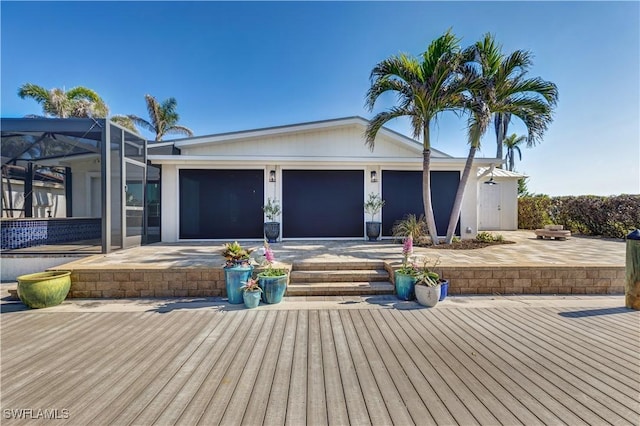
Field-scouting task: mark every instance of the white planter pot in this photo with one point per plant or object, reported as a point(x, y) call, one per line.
point(427, 296)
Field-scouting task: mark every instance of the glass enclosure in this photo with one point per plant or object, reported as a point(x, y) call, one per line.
point(79, 182)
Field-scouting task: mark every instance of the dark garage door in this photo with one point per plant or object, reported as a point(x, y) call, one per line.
point(322, 203)
point(402, 192)
point(221, 204)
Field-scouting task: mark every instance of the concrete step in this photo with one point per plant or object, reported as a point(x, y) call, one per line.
point(337, 265)
point(340, 288)
point(341, 276)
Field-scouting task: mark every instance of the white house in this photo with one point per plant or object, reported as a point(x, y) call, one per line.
point(321, 172)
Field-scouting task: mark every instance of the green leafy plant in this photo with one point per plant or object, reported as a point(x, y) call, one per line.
point(410, 225)
point(488, 237)
point(235, 253)
point(373, 205)
point(271, 209)
point(425, 274)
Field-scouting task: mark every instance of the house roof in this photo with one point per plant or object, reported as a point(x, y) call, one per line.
point(301, 128)
point(500, 173)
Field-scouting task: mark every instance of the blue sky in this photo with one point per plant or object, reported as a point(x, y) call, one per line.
point(246, 65)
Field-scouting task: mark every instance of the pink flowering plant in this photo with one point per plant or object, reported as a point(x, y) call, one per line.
point(407, 268)
point(251, 285)
point(270, 258)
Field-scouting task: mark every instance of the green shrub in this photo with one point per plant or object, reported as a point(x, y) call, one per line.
point(610, 217)
point(488, 237)
point(533, 212)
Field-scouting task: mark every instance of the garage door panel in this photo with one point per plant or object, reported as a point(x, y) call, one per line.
point(221, 204)
point(402, 192)
point(322, 203)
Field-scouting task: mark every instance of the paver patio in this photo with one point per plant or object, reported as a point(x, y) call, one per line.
point(470, 360)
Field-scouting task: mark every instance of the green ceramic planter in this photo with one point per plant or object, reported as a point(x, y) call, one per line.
point(44, 289)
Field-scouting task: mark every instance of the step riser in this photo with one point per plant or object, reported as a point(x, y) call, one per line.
point(337, 266)
point(337, 276)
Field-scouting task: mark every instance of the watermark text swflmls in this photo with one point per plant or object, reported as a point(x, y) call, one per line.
point(36, 413)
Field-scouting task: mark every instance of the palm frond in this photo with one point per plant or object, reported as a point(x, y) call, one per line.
point(176, 129)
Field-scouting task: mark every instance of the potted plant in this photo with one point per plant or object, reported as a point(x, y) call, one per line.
point(405, 277)
point(273, 281)
point(427, 284)
point(373, 206)
point(271, 228)
point(237, 270)
point(251, 293)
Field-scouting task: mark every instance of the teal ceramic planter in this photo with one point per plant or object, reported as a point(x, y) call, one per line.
point(405, 286)
point(251, 299)
point(44, 289)
point(235, 277)
point(273, 288)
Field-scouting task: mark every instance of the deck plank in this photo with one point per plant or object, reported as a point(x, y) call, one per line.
point(316, 394)
point(297, 402)
point(336, 400)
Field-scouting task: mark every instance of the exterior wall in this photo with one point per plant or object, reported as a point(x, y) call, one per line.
point(169, 205)
point(48, 197)
point(82, 171)
point(12, 266)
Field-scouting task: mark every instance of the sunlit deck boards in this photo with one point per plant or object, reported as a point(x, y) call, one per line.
point(447, 365)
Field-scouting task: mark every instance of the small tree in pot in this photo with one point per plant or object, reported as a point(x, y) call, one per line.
point(373, 206)
point(272, 212)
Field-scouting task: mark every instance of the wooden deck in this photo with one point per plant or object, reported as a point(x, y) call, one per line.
point(445, 365)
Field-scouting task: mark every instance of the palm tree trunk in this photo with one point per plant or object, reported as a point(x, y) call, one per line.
point(426, 187)
point(501, 121)
point(457, 203)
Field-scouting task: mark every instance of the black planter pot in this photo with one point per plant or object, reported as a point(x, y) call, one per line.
point(373, 230)
point(272, 231)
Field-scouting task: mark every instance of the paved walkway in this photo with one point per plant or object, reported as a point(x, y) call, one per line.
point(470, 360)
point(527, 251)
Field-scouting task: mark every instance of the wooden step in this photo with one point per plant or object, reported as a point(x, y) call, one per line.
point(340, 288)
point(333, 266)
point(341, 276)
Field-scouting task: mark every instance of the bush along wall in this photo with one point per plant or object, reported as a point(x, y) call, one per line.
point(610, 217)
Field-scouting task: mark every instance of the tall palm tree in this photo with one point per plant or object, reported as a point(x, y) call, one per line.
point(511, 142)
point(163, 118)
point(425, 87)
point(77, 102)
point(500, 87)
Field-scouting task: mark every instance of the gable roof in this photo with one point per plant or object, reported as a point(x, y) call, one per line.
point(224, 138)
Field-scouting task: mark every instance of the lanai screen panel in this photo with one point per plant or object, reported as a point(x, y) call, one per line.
point(402, 192)
point(221, 204)
point(322, 203)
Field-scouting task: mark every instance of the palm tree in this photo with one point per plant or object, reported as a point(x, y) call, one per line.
point(425, 87)
point(500, 87)
point(511, 143)
point(163, 118)
point(77, 102)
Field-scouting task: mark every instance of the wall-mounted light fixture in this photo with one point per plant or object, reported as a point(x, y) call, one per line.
point(374, 176)
point(272, 176)
point(491, 181)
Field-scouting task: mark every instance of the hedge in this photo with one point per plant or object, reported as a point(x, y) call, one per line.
point(610, 217)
